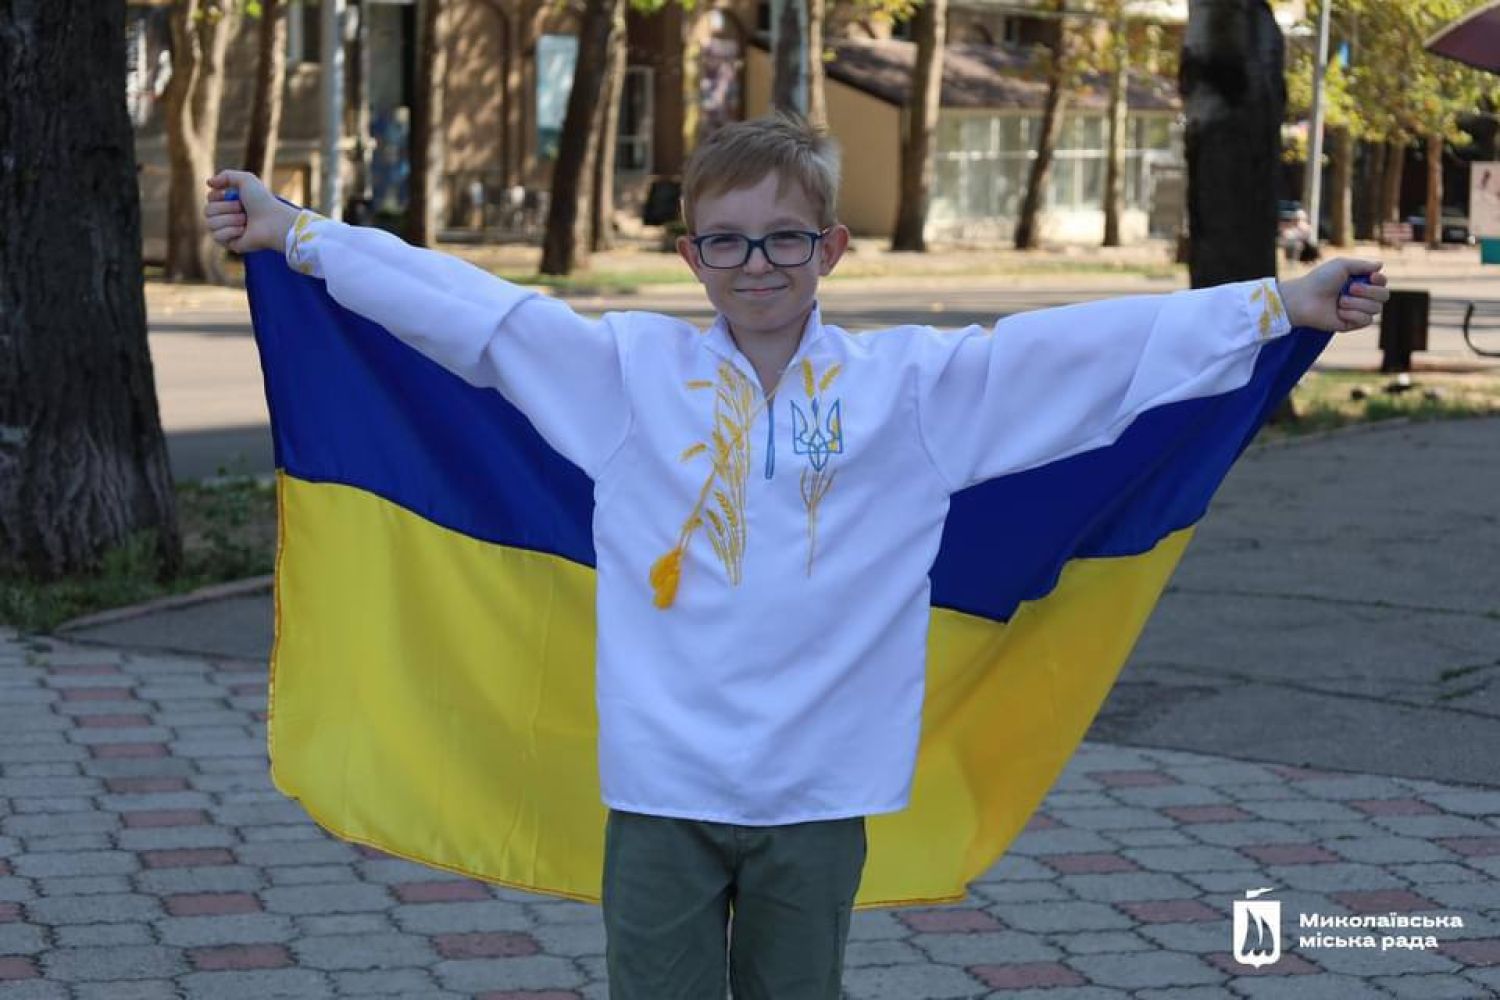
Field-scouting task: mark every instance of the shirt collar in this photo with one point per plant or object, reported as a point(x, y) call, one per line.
point(717, 339)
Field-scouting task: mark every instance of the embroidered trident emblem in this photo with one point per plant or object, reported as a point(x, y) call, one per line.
point(817, 438)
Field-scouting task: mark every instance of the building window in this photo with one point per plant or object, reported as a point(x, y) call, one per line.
point(984, 158)
point(633, 147)
point(304, 32)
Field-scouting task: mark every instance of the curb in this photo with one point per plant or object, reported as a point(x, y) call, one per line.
point(216, 592)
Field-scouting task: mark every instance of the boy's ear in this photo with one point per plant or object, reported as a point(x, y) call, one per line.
point(832, 249)
point(688, 252)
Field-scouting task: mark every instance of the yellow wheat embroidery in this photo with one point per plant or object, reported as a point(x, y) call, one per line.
point(828, 377)
point(699, 383)
point(735, 409)
point(815, 486)
point(1271, 308)
point(807, 377)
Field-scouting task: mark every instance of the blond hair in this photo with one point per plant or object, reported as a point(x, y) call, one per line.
point(742, 154)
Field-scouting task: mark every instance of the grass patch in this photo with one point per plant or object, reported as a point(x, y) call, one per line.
point(1327, 401)
point(228, 533)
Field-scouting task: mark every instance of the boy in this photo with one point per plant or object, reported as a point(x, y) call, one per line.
point(769, 497)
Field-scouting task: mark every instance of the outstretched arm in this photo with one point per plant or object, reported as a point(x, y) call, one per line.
point(543, 357)
point(1044, 385)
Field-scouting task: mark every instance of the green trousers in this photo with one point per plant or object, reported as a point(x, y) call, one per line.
point(691, 906)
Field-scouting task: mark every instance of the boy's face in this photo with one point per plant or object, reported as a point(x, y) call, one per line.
point(758, 298)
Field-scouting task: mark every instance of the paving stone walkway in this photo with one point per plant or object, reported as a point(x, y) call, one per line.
point(144, 854)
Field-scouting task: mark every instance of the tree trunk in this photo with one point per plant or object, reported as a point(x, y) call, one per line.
point(1114, 167)
point(694, 24)
point(1391, 177)
point(1434, 191)
point(602, 202)
point(1027, 234)
point(788, 56)
point(560, 245)
point(265, 104)
point(426, 147)
point(83, 464)
point(361, 192)
point(201, 30)
point(817, 100)
point(929, 27)
point(1234, 98)
point(1341, 186)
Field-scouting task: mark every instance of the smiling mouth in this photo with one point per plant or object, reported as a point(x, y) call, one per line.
point(760, 291)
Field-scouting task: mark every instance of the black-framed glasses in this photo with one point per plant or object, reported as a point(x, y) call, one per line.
point(783, 248)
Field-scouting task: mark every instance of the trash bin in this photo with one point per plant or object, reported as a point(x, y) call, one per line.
point(1489, 250)
point(1403, 329)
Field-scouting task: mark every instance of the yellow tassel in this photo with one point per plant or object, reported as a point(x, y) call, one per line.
point(666, 573)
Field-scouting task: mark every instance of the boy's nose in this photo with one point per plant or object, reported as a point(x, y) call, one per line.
point(759, 262)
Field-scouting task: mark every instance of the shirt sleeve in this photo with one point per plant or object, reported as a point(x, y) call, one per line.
point(1044, 385)
point(566, 373)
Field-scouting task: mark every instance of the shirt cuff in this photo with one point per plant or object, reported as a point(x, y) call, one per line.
point(1266, 310)
point(302, 243)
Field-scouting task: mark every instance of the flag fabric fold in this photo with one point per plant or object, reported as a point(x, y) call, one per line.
point(432, 680)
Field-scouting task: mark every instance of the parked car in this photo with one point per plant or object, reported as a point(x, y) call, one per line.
point(1455, 227)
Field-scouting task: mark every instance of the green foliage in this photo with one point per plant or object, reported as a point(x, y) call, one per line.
point(229, 529)
point(1394, 90)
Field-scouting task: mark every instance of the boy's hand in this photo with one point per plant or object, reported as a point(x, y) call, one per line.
point(257, 220)
point(1318, 299)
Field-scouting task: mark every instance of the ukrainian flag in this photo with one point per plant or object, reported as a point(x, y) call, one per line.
point(432, 682)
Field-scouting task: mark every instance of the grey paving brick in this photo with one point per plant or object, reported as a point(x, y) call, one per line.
point(48, 788)
point(40, 769)
point(107, 964)
point(1198, 937)
point(214, 749)
point(282, 834)
point(1059, 841)
point(102, 935)
point(1249, 832)
point(145, 989)
point(1128, 887)
point(1053, 918)
point(238, 928)
point(326, 898)
point(1388, 850)
point(55, 824)
point(1467, 898)
point(355, 952)
point(533, 972)
point(1428, 987)
point(991, 948)
point(1181, 993)
point(257, 984)
point(33, 989)
point(1269, 791)
point(1318, 986)
point(213, 878)
point(1324, 830)
point(1333, 877)
point(187, 799)
point(911, 982)
point(1226, 774)
point(315, 852)
point(29, 720)
point(556, 912)
point(71, 842)
point(139, 767)
point(1304, 811)
point(181, 718)
point(1020, 892)
point(171, 838)
point(247, 764)
point(1467, 802)
point(875, 925)
point(1373, 962)
point(1489, 978)
point(889, 952)
point(51, 753)
point(1060, 803)
point(16, 890)
point(1016, 868)
point(1163, 837)
point(248, 814)
point(571, 939)
point(310, 874)
point(1433, 827)
point(388, 982)
point(1225, 883)
point(254, 781)
point(64, 863)
point(1156, 796)
point(22, 939)
point(1425, 874)
point(104, 909)
point(459, 918)
point(61, 804)
point(1115, 818)
point(1142, 969)
point(1102, 942)
point(344, 924)
point(94, 736)
point(388, 871)
point(1062, 993)
point(1188, 859)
